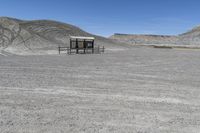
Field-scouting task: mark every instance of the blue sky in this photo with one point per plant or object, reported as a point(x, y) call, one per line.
point(105, 17)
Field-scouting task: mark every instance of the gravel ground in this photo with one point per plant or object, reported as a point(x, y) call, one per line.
point(140, 90)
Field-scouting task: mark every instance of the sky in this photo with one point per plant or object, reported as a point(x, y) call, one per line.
point(106, 17)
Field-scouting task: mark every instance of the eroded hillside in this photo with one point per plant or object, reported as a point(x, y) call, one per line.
point(40, 36)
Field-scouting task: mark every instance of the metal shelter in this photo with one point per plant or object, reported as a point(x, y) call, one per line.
point(84, 44)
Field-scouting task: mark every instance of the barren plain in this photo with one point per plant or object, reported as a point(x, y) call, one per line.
point(136, 90)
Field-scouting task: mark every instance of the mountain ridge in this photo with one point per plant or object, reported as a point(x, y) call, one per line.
point(44, 36)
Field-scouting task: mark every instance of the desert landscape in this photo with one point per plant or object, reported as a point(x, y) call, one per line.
point(131, 88)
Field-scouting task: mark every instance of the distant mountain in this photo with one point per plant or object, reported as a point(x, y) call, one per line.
point(190, 38)
point(144, 39)
point(40, 36)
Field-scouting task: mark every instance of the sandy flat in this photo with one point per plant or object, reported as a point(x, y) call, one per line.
point(138, 90)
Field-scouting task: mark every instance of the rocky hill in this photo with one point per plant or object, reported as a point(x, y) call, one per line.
point(40, 36)
point(191, 37)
